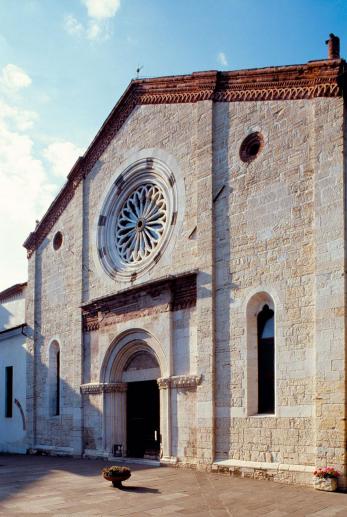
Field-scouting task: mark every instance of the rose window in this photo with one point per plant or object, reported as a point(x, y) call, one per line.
point(141, 223)
point(137, 219)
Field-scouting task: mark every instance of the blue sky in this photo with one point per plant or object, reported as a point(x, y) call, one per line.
point(64, 64)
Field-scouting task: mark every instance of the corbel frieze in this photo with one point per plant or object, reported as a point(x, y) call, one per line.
point(96, 388)
point(179, 381)
point(322, 78)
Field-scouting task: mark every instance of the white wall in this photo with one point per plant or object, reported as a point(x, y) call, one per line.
point(12, 312)
point(13, 353)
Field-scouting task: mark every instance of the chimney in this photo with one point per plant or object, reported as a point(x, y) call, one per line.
point(333, 47)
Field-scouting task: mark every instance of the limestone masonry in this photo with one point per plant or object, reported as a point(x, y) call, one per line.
point(186, 288)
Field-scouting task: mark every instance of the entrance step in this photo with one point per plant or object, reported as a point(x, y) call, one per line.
point(139, 461)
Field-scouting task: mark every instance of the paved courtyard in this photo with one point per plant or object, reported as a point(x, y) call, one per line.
point(31, 485)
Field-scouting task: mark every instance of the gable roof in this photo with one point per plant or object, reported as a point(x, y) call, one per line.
point(12, 291)
point(323, 78)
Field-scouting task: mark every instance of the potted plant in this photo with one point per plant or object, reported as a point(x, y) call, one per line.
point(325, 479)
point(116, 475)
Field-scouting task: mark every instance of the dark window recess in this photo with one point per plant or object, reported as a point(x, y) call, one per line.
point(251, 147)
point(57, 240)
point(9, 391)
point(57, 404)
point(266, 361)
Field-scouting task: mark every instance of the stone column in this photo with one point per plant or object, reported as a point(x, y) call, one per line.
point(114, 415)
point(119, 404)
point(165, 420)
point(114, 412)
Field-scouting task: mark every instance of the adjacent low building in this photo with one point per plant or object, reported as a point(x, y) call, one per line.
point(13, 370)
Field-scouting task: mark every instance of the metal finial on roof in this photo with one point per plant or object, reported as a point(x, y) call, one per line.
point(138, 70)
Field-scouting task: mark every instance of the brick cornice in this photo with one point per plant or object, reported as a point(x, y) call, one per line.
point(325, 78)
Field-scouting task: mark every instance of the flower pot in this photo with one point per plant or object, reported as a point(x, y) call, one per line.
point(327, 484)
point(117, 480)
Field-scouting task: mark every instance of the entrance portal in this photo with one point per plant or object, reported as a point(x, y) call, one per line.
point(143, 433)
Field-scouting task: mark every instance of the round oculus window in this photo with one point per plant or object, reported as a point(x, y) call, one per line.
point(251, 146)
point(136, 219)
point(57, 240)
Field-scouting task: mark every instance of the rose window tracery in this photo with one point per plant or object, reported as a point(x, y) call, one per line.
point(141, 223)
point(137, 218)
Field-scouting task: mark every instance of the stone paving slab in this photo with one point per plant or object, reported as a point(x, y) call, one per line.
point(47, 486)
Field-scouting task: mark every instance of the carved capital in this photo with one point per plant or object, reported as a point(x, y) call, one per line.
point(163, 383)
point(96, 388)
point(180, 382)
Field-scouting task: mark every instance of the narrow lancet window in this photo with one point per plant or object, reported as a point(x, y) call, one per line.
point(266, 361)
point(54, 379)
point(8, 391)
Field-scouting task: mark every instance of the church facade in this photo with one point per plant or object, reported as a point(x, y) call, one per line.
point(186, 289)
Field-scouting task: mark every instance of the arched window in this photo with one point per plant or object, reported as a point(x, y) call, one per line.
point(266, 360)
point(54, 379)
point(260, 382)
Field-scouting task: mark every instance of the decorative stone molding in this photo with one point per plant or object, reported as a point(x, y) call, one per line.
point(179, 382)
point(323, 78)
point(167, 294)
point(137, 218)
point(146, 207)
point(105, 387)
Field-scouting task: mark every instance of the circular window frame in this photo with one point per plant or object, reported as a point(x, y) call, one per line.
point(57, 241)
point(247, 153)
point(142, 171)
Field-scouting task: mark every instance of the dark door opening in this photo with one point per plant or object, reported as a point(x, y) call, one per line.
point(143, 433)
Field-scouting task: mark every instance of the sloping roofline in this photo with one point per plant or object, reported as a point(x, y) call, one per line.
point(12, 291)
point(323, 78)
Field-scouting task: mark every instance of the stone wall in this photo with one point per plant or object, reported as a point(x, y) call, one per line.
point(279, 218)
point(273, 226)
point(53, 314)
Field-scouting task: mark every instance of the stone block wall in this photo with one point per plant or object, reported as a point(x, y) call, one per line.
point(280, 230)
point(53, 314)
point(274, 225)
point(165, 128)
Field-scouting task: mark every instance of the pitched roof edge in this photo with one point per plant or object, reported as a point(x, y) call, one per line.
point(321, 78)
point(9, 292)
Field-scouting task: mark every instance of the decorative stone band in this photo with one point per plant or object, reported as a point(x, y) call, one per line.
point(187, 382)
point(323, 78)
point(167, 294)
point(95, 388)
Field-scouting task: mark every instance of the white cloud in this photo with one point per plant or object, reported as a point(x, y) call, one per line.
point(94, 30)
point(19, 118)
point(13, 78)
point(101, 9)
point(222, 59)
point(25, 194)
point(73, 26)
point(61, 157)
point(27, 186)
point(99, 13)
